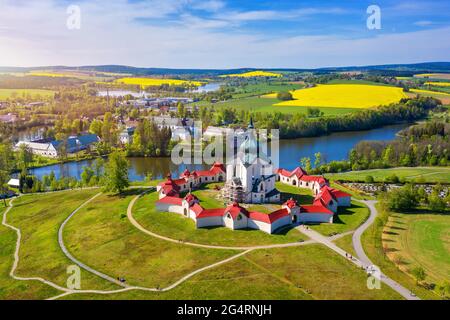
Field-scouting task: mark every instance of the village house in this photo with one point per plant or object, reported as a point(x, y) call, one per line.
point(9, 118)
point(52, 149)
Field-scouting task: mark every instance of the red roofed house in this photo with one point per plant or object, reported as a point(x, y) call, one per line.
point(298, 177)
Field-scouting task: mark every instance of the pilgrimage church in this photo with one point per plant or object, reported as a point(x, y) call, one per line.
point(250, 176)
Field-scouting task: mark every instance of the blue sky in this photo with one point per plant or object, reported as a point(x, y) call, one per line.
point(223, 33)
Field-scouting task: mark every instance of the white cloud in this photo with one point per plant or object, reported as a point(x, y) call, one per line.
point(423, 23)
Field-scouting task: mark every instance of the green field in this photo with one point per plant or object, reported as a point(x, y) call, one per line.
point(420, 240)
point(176, 226)
point(266, 105)
point(373, 247)
point(346, 243)
point(19, 93)
point(346, 219)
point(418, 174)
point(101, 236)
point(310, 272)
point(38, 217)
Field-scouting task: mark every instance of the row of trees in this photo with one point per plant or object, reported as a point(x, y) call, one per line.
point(111, 175)
point(410, 197)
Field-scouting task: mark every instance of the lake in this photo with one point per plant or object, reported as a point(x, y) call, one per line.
point(335, 146)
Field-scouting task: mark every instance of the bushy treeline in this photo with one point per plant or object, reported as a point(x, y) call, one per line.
point(410, 197)
point(426, 144)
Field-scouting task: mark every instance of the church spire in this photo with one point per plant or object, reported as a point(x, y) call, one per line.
point(250, 125)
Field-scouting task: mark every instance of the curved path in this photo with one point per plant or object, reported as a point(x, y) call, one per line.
point(363, 262)
point(357, 245)
point(67, 291)
point(199, 245)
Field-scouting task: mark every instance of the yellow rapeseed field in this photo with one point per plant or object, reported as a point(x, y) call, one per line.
point(433, 75)
point(48, 74)
point(429, 92)
point(253, 74)
point(345, 96)
point(438, 84)
point(148, 82)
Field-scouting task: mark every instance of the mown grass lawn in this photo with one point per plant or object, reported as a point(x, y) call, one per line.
point(309, 272)
point(373, 246)
point(346, 219)
point(302, 195)
point(39, 217)
point(101, 236)
point(13, 289)
point(420, 240)
point(178, 227)
point(235, 280)
point(346, 243)
point(417, 174)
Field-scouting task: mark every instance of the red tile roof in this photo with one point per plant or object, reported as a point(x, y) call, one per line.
point(198, 209)
point(234, 209)
point(325, 195)
point(298, 172)
point(170, 200)
point(315, 209)
point(336, 193)
point(179, 182)
point(211, 213)
point(268, 218)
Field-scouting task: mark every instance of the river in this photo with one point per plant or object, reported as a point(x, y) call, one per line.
point(335, 146)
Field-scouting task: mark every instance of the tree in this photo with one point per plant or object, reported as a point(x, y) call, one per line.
point(435, 202)
point(419, 274)
point(3, 184)
point(402, 199)
point(116, 173)
point(86, 175)
point(25, 156)
point(318, 159)
point(306, 163)
point(284, 96)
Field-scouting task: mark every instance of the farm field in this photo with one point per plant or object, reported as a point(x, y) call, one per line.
point(8, 93)
point(423, 174)
point(264, 88)
point(147, 82)
point(345, 96)
point(252, 74)
point(438, 84)
point(433, 75)
point(420, 240)
point(267, 105)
